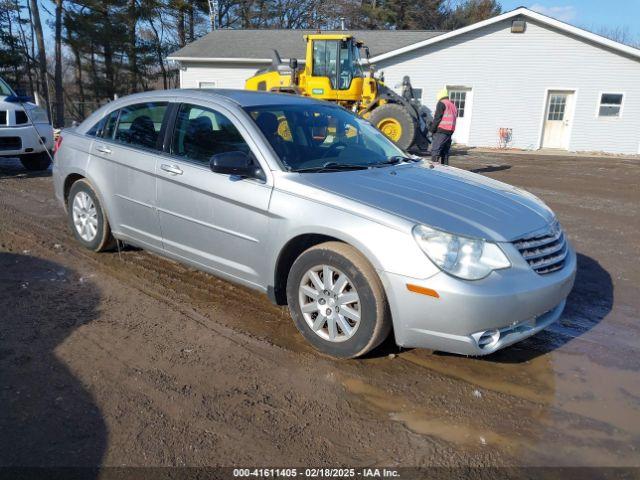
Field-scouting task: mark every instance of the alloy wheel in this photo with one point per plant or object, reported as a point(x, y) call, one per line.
point(330, 303)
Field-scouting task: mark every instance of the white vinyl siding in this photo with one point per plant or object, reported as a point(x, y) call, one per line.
point(223, 76)
point(510, 75)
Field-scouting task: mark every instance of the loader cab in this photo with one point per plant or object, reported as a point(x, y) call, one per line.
point(333, 69)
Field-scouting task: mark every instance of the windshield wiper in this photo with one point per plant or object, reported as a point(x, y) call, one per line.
point(394, 160)
point(332, 167)
point(401, 158)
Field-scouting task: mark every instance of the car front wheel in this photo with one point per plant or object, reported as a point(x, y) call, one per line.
point(337, 300)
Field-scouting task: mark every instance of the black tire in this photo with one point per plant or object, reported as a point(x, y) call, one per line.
point(402, 116)
point(375, 316)
point(103, 239)
point(36, 161)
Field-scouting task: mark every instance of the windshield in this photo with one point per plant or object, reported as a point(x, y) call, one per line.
point(5, 89)
point(307, 137)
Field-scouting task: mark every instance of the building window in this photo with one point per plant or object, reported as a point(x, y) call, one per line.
point(557, 105)
point(610, 105)
point(459, 98)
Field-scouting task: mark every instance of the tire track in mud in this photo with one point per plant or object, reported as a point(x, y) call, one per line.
point(245, 317)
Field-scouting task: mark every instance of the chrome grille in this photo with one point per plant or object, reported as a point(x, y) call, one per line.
point(544, 253)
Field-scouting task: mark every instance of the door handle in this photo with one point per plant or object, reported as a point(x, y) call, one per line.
point(173, 169)
point(103, 149)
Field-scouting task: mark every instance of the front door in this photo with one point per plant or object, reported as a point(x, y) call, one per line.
point(557, 120)
point(217, 221)
point(462, 97)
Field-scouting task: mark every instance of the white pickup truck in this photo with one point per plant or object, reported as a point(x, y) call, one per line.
point(19, 137)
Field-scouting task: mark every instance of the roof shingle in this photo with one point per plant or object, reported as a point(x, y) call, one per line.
point(259, 44)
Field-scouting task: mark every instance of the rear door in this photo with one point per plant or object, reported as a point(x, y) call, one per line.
point(218, 221)
point(131, 142)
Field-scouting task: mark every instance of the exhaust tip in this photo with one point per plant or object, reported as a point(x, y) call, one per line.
point(488, 339)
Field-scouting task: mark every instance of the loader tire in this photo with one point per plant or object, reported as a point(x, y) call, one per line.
point(396, 123)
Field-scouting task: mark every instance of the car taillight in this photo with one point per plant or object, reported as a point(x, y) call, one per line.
point(57, 144)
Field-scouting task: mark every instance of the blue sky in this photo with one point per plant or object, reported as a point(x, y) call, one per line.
point(590, 14)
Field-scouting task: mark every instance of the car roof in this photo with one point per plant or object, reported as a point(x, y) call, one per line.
point(243, 98)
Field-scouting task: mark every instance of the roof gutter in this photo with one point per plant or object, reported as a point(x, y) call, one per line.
point(219, 60)
point(579, 32)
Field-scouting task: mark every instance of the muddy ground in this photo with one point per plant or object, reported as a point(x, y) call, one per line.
point(130, 359)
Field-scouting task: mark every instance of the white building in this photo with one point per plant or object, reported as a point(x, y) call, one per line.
point(552, 84)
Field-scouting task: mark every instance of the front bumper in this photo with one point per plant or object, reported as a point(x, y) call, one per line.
point(507, 306)
point(25, 139)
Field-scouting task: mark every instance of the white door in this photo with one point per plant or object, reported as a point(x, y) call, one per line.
point(556, 121)
point(462, 97)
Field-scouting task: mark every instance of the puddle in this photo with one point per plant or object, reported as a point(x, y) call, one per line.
point(421, 421)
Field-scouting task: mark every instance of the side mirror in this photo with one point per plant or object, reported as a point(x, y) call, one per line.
point(235, 163)
point(293, 63)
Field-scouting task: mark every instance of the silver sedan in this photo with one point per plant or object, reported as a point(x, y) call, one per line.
point(309, 203)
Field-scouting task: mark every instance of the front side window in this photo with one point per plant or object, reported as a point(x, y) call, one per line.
point(610, 105)
point(139, 125)
point(201, 133)
point(308, 137)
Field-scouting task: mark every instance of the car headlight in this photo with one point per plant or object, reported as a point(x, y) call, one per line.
point(463, 257)
point(38, 115)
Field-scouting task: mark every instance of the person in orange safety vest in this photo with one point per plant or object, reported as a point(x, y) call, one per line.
point(442, 127)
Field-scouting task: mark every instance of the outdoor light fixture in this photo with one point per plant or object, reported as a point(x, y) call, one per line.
point(518, 26)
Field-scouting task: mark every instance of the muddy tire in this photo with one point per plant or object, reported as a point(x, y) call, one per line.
point(337, 301)
point(87, 218)
point(36, 162)
point(396, 123)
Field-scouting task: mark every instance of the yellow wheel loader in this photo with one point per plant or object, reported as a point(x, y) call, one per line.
point(333, 72)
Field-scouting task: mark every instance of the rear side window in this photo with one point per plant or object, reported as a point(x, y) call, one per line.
point(110, 123)
point(96, 130)
point(139, 125)
point(200, 133)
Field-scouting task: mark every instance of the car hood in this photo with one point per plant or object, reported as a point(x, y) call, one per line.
point(445, 198)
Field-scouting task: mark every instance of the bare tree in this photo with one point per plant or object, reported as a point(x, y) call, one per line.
point(42, 54)
point(59, 90)
point(620, 34)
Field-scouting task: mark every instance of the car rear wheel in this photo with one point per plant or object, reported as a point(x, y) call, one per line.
point(337, 301)
point(87, 218)
point(36, 162)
